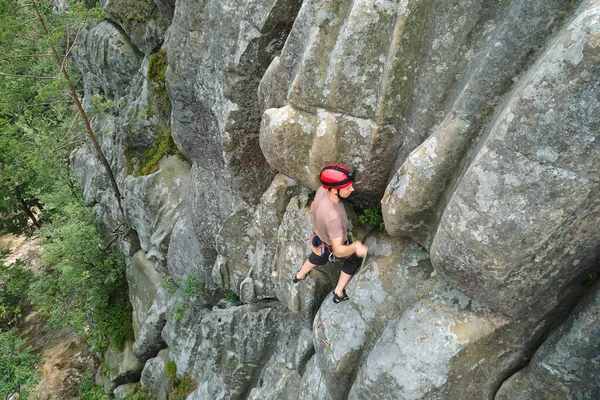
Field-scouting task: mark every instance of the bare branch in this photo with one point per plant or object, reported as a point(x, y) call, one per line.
point(26, 56)
point(27, 76)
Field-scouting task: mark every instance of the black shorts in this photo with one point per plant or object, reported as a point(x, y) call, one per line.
point(351, 263)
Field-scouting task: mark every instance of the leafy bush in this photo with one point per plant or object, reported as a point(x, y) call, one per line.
point(373, 217)
point(16, 373)
point(190, 288)
point(232, 297)
point(14, 282)
point(84, 286)
point(181, 387)
point(88, 389)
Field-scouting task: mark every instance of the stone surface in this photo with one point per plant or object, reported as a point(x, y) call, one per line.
point(567, 365)
point(154, 377)
point(124, 366)
point(412, 355)
point(144, 21)
point(148, 300)
point(107, 59)
point(154, 203)
point(235, 344)
point(391, 279)
point(414, 201)
point(522, 226)
point(247, 242)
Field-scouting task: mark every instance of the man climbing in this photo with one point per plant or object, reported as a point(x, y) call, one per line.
point(330, 227)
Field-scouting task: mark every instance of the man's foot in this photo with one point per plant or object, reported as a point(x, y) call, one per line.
point(339, 299)
point(296, 279)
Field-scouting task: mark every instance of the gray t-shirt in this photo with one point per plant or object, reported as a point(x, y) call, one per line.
point(329, 218)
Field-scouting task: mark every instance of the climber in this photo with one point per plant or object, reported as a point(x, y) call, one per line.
point(330, 227)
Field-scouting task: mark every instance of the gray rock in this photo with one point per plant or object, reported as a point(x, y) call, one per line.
point(414, 199)
point(154, 203)
point(413, 354)
point(567, 364)
point(281, 376)
point(214, 71)
point(247, 242)
point(148, 299)
point(144, 21)
point(235, 344)
point(107, 60)
point(522, 226)
point(293, 248)
point(125, 391)
point(154, 377)
point(183, 335)
point(185, 257)
point(391, 279)
point(124, 367)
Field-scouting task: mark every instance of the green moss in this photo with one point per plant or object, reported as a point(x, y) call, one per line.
point(132, 13)
point(158, 97)
point(163, 147)
point(181, 387)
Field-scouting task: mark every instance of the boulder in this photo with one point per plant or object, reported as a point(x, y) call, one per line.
point(567, 364)
point(214, 71)
point(154, 203)
point(390, 281)
point(144, 21)
point(123, 365)
point(414, 199)
point(247, 242)
point(520, 231)
point(235, 344)
point(107, 60)
point(154, 377)
point(148, 300)
point(413, 354)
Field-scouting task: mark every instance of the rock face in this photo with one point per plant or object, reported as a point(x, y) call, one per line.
point(475, 123)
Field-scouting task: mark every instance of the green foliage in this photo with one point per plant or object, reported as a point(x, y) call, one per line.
point(190, 288)
point(36, 132)
point(84, 287)
point(88, 389)
point(232, 297)
point(373, 217)
point(181, 387)
point(171, 370)
point(14, 282)
point(140, 393)
point(133, 13)
point(16, 373)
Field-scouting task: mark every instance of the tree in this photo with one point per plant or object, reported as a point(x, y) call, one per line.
point(39, 107)
point(16, 375)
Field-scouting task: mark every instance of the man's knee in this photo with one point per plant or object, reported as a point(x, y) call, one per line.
point(351, 264)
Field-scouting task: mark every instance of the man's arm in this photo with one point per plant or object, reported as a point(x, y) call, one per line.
point(341, 250)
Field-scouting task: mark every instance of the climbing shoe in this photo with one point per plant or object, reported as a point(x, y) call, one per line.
point(296, 280)
point(339, 299)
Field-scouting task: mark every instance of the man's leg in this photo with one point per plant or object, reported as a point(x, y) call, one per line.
point(306, 268)
point(342, 282)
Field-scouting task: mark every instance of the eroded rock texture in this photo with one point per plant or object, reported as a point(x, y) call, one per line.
point(476, 124)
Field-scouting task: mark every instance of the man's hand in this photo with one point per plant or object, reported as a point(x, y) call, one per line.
point(341, 250)
point(361, 249)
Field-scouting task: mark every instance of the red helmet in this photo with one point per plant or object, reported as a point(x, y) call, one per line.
point(337, 176)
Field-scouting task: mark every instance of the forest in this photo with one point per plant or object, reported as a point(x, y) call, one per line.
point(82, 284)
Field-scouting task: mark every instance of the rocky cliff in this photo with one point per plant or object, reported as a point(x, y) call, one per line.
point(476, 123)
